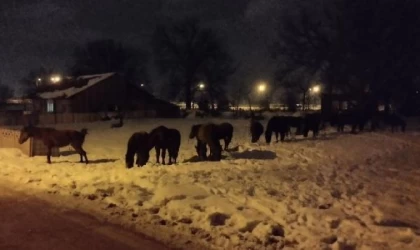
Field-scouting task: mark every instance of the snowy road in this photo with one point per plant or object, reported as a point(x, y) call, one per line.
point(29, 223)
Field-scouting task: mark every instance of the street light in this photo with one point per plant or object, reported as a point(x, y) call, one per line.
point(55, 79)
point(316, 89)
point(262, 87)
point(201, 86)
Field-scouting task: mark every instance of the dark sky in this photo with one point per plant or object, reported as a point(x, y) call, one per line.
point(45, 32)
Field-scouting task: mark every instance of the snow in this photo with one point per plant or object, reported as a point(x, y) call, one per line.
point(73, 90)
point(340, 191)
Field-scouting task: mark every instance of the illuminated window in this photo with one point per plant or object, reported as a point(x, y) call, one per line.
point(50, 106)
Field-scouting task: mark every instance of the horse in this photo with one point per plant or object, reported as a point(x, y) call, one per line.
point(295, 122)
point(210, 134)
point(56, 138)
point(312, 122)
point(356, 119)
point(395, 121)
point(162, 139)
point(224, 132)
point(138, 144)
point(256, 130)
point(278, 125)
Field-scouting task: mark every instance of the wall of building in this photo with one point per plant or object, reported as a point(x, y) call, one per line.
point(111, 91)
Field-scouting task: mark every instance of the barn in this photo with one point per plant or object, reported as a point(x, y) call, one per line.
point(98, 93)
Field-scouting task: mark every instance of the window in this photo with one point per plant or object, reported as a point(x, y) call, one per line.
point(50, 106)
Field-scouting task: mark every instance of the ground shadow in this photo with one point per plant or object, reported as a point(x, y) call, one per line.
point(192, 159)
point(234, 149)
point(68, 152)
point(98, 161)
point(318, 138)
point(255, 154)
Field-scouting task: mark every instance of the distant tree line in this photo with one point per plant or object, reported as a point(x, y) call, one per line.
point(351, 47)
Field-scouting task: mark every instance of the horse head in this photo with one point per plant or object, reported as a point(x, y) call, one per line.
point(26, 133)
point(194, 131)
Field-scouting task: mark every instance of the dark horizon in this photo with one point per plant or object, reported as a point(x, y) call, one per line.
point(45, 33)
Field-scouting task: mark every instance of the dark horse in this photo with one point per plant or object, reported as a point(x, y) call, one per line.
point(224, 132)
point(395, 121)
point(210, 134)
point(138, 144)
point(312, 122)
point(356, 119)
point(56, 138)
point(256, 129)
point(163, 138)
point(278, 125)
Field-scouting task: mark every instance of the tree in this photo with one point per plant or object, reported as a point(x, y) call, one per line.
point(35, 78)
point(6, 92)
point(299, 82)
point(216, 73)
point(355, 46)
point(102, 56)
point(182, 50)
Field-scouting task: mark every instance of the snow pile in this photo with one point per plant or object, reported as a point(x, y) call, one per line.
point(336, 192)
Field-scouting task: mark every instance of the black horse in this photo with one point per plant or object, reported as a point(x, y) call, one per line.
point(278, 125)
point(356, 119)
point(395, 121)
point(162, 139)
point(312, 122)
point(256, 130)
point(138, 144)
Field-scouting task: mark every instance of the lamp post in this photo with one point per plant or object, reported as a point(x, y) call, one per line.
point(314, 91)
point(261, 90)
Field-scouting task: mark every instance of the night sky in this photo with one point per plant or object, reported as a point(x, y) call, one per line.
point(44, 32)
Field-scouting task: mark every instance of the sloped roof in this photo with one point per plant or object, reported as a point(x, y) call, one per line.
point(69, 92)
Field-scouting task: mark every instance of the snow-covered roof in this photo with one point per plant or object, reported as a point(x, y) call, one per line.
point(65, 93)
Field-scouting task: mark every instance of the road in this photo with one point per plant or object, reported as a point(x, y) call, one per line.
point(30, 223)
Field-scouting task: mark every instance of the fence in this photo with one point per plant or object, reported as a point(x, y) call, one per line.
point(32, 147)
point(44, 119)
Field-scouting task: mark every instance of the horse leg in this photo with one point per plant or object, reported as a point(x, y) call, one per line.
point(203, 151)
point(49, 155)
point(171, 156)
point(277, 136)
point(81, 152)
point(157, 154)
point(164, 155)
point(282, 136)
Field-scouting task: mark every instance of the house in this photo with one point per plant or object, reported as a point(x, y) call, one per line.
point(98, 93)
point(12, 111)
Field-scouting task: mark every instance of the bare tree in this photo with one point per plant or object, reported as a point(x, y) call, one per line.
point(103, 56)
point(183, 49)
point(34, 79)
point(5, 92)
point(354, 45)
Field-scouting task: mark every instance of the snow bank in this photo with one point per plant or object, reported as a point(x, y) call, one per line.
point(336, 192)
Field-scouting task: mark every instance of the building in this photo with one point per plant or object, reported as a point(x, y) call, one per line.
point(98, 93)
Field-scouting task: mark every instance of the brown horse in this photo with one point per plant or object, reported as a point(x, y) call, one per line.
point(56, 138)
point(207, 134)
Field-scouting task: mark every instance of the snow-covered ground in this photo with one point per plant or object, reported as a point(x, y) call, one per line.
point(336, 192)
